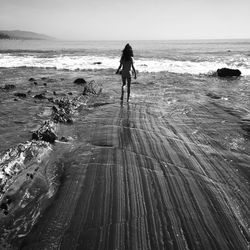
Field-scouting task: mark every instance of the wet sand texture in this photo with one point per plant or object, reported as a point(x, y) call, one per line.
point(143, 179)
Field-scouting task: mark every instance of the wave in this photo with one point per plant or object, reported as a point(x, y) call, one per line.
point(90, 62)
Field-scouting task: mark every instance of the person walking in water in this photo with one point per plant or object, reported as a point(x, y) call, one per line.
point(126, 63)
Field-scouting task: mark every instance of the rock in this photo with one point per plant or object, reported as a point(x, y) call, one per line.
point(44, 78)
point(9, 86)
point(213, 96)
point(29, 91)
point(50, 99)
point(92, 88)
point(15, 99)
point(70, 93)
point(29, 175)
point(45, 133)
point(226, 72)
point(45, 84)
point(13, 168)
point(80, 81)
point(97, 63)
point(54, 92)
point(35, 83)
point(245, 123)
point(40, 96)
point(64, 139)
point(22, 95)
point(62, 114)
point(31, 79)
point(84, 91)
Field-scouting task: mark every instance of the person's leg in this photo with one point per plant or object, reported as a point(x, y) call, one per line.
point(128, 88)
point(123, 85)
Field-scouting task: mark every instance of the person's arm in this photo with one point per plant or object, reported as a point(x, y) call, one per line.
point(117, 71)
point(133, 67)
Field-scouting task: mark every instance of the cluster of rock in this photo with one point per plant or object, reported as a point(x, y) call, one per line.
point(16, 159)
point(24, 177)
point(8, 87)
point(62, 111)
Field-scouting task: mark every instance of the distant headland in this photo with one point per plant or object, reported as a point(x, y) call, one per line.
point(23, 35)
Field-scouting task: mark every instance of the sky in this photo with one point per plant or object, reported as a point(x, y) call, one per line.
point(129, 19)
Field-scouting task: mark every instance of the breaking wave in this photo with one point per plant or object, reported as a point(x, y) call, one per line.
point(91, 62)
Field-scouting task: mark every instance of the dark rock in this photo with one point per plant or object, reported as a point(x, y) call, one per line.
point(54, 109)
point(54, 92)
point(213, 96)
point(40, 96)
point(31, 79)
point(45, 84)
point(15, 99)
point(8, 199)
point(97, 63)
point(70, 93)
point(80, 81)
point(4, 206)
point(35, 83)
point(84, 91)
point(245, 123)
point(45, 133)
point(64, 139)
point(29, 92)
point(22, 95)
point(44, 78)
point(9, 87)
point(99, 104)
point(51, 99)
point(30, 175)
point(226, 72)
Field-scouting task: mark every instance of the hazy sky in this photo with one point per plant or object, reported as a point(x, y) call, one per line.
point(129, 19)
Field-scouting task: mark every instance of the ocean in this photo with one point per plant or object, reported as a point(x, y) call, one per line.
point(187, 56)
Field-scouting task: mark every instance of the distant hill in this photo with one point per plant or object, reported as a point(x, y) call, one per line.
point(23, 35)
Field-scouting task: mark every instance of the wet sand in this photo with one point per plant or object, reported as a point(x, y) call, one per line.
point(168, 170)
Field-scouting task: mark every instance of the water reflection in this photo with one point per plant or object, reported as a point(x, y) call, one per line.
point(125, 123)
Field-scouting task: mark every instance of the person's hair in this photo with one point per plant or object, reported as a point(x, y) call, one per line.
point(127, 52)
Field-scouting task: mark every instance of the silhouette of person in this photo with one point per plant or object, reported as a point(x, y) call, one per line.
point(126, 63)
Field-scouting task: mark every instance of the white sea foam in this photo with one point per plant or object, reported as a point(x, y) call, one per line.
point(74, 62)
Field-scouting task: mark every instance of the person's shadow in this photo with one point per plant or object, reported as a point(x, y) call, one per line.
point(125, 126)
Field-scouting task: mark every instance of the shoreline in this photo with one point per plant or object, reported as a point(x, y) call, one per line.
point(168, 169)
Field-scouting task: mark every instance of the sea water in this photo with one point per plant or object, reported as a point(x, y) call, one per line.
point(182, 56)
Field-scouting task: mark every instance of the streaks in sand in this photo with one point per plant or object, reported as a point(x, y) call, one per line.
point(143, 179)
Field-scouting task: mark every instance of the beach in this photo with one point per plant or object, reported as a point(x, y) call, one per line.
point(167, 170)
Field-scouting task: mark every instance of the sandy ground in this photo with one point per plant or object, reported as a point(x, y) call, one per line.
point(168, 170)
